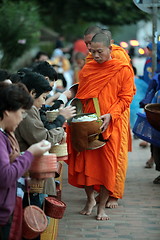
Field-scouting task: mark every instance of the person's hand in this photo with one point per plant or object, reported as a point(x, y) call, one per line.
point(106, 120)
point(50, 100)
point(39, 148)
point(68, 94)
point(67, 112)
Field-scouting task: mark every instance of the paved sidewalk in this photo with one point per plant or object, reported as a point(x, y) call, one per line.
point(136, 218)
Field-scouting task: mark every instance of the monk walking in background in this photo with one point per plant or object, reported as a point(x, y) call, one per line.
point(111, 82)
point(118, 53)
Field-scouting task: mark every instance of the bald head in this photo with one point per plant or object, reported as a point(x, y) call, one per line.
point(89, 33)
point(92, 30)
point(101, 48)
point(101, 38)
point(109, 34)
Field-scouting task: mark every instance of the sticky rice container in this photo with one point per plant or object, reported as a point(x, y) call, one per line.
point(51, 115)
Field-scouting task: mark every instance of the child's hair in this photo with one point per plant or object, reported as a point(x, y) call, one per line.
point(14, 97)
point(36, 82)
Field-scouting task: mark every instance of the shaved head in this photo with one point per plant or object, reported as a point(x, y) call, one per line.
point(108, 33)
point(101, 37)
point(92, 30)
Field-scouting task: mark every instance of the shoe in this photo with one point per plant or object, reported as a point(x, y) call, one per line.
point(157, 180)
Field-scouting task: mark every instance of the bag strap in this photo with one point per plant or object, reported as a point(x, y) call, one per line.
point(78, 105)
point(96, 105)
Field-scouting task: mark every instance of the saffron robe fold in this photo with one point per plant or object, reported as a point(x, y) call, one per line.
point(112, 83)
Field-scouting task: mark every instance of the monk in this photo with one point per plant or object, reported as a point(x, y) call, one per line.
point(111, 82)
point(118, 53)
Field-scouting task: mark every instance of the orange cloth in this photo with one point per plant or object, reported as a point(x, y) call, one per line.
point(122, 157)
point(89, 57)
point(112, 83)
point(119, 53)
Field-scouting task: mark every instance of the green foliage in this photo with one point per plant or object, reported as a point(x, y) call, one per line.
point(71, 15)
point(20, 25)
point(20, 19)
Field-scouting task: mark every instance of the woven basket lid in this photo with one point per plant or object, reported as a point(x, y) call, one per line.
point(45, 163)
point(55, 202)
point(51, 115)
point(35, 218)
point(60, 150)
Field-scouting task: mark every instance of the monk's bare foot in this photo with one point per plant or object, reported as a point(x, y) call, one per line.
point(102, 215)
point(112, 202)
point(88, 208)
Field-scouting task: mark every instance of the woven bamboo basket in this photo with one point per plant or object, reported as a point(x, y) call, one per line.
point(58, 190)
point(34, 222)
point(51, 115)
point(44, 166)
point(60, 150)
point(59, 169)
point(42, 176)
point(36, 185)
point(54, 208)
point(59, 194)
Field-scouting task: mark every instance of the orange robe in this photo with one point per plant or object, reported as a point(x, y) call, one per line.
point(112, 83)
point(119, 53)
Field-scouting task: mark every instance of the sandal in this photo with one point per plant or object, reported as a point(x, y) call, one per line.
point(157, 180)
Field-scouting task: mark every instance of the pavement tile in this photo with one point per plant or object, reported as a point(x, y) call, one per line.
point(136, 218)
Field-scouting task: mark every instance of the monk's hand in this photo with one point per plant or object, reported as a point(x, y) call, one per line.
point(106, 120)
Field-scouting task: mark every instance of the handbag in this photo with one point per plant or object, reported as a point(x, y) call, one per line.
point(34, 220)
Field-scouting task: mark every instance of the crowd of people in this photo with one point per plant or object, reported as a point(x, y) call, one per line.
point(107, 84)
